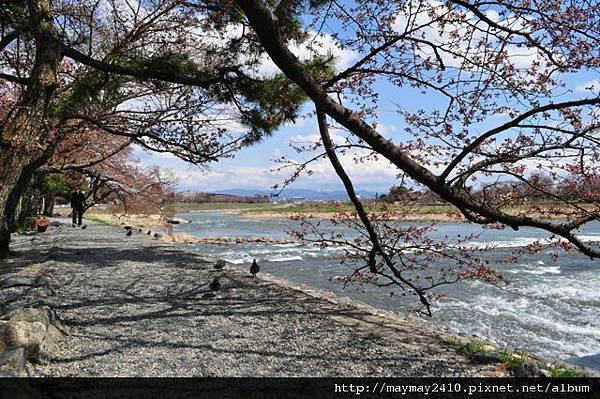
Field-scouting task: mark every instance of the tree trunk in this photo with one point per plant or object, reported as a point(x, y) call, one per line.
point(4, 237)
point(11, 167)
point(23, 130)
point(49, 205)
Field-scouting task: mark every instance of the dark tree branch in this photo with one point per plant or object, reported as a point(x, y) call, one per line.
point(511, 124)
point(266, 26)
point(142, 72)
point(362, 214)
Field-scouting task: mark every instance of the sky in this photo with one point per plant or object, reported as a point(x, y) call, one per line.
point(253, 167)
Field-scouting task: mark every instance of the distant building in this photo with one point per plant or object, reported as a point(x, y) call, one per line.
point(297, 200)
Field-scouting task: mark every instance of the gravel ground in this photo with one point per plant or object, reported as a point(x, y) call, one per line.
point(137, 308)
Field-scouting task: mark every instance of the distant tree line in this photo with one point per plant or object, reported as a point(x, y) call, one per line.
point(202, 197)
point(537, 188)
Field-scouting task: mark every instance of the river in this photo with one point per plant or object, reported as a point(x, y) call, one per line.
point(549, 309)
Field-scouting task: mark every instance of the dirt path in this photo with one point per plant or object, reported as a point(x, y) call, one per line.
point(137, 308)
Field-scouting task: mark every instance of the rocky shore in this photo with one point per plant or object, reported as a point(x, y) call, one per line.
point(107, 304)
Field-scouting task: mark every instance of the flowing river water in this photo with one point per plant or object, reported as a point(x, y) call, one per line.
point(550, 307)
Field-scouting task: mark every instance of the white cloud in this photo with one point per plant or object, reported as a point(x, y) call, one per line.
point(456, 40)
point(316, 45)
point(372, 174)
point(385, 129)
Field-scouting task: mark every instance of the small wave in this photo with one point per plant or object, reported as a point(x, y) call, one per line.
point(290, 245)
point(237, 261)
point(515, 243)
point(284, 258)
point(523, 241)
point(534, 269)
point(544, 270)
point(575, 291)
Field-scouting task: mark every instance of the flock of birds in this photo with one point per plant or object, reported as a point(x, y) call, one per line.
point(215, 284)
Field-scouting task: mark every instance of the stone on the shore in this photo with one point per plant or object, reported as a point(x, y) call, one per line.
point(42, 281)
point(43, 315)
point(15, 334)
point(526, 370)
point(486, 358)
point(545, 373)
point(12, 362)
point(35, 330)
point(29, 335)
point(17, 282)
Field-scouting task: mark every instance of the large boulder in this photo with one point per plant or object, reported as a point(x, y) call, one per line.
point(35, 330)
point(29, 336)
point(44, 315)
point(12, 362)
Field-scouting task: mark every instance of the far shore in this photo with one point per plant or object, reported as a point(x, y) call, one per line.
point(422, 213)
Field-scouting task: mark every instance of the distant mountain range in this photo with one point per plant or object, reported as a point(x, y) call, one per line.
point(295, 192)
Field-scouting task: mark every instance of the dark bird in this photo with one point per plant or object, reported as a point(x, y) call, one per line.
point(128, 234)
point(219, 264)
point(215, 285)
point(84, 227)
point(254, 268)
point(127, 227)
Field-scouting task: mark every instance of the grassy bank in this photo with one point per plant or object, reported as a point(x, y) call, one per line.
point(318, 208)
point(413, 212)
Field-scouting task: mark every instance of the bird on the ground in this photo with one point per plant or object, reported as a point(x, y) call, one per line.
point(219, 264)
point(128, 234)
point(84, 227)
point(215, 285)
point(254, 268)
point(127, 227)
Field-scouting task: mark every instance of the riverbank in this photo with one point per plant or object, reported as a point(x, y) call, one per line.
point(136, 306)
point(420, 213)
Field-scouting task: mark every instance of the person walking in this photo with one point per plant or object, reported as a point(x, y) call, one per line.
point(78, 206)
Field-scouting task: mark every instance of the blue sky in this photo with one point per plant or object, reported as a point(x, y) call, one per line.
point(252, 168)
